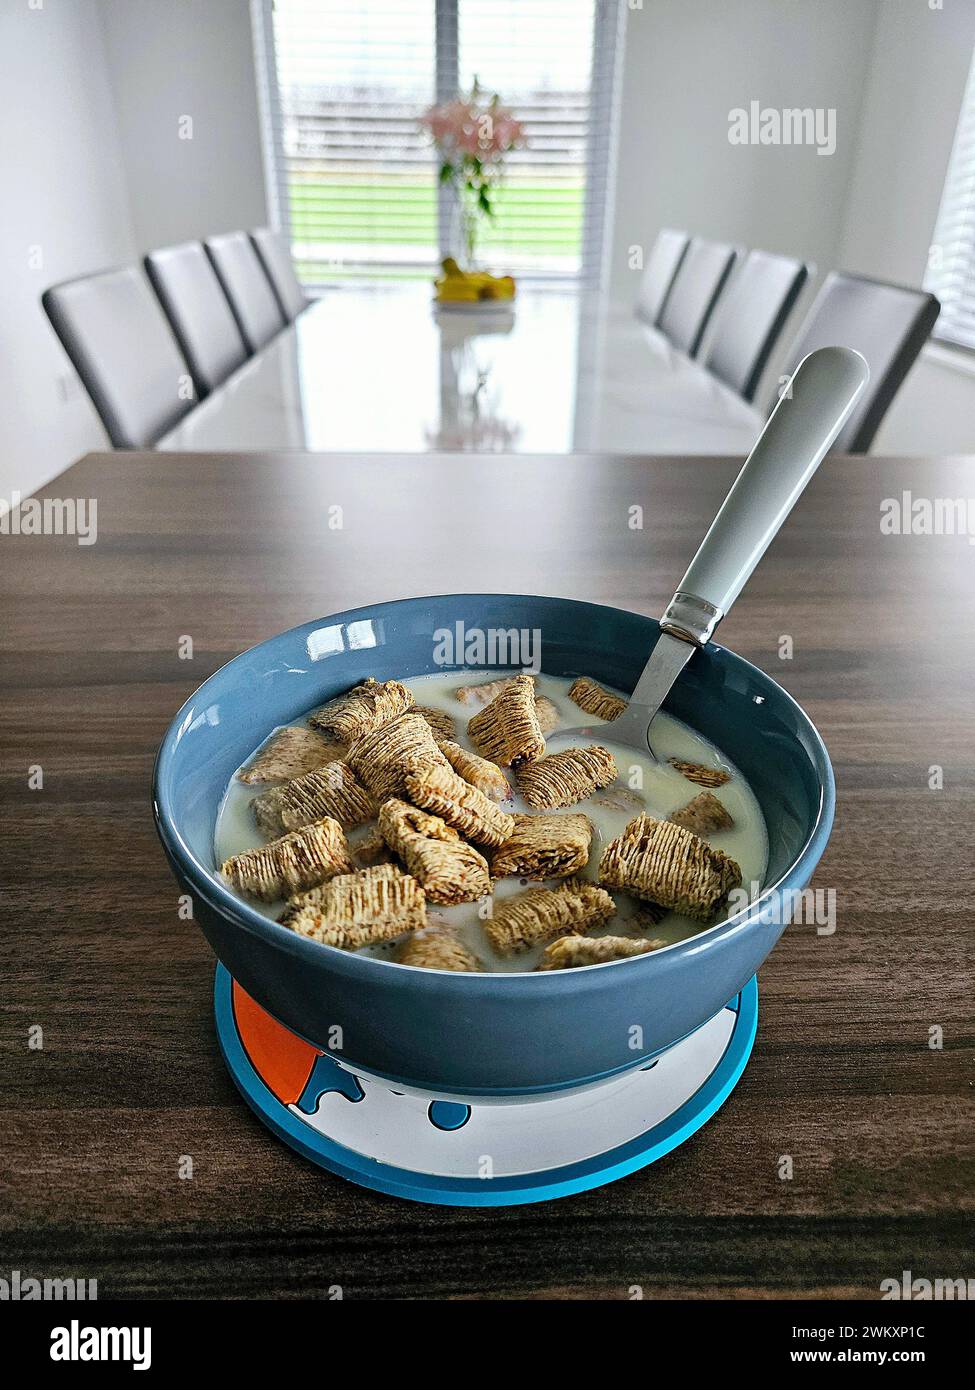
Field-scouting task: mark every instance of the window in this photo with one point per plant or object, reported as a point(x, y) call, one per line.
point(353, 177)
point(951, 266)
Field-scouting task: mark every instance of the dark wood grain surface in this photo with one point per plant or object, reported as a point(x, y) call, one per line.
point(843, 1079)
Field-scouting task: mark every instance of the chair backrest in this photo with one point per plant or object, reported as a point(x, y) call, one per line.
point(697, 288)
point(275, 255)
point(112, 328)
point(888, 324)
point(246, 286)
point(658, 273)
point(196, 306)
point(756, 307)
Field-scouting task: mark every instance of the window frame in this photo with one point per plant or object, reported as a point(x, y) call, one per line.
point(609, 19)
point(943, 334)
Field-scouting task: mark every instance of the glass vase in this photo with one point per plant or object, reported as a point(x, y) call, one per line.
point(465, 229)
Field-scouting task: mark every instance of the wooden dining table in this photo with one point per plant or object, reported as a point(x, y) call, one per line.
point(845, 1154)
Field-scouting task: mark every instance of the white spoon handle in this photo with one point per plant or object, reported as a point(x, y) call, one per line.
point(809, 415)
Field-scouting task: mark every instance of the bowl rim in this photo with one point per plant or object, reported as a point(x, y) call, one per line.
point(221, 898)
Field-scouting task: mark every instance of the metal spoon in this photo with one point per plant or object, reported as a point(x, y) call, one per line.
point(809, 415)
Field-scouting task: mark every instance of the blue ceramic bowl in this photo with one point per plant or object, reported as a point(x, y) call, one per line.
point(488, 1036)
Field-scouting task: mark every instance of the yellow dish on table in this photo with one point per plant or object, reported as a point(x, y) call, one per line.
point(458, 286)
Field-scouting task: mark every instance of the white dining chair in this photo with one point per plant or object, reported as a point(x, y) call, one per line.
point(888, 324)
point(753, 314)
point(197, 308)
point(700, 279)
point(254, 303)
point(117, 337)
point(275, 255)
point(662, 266)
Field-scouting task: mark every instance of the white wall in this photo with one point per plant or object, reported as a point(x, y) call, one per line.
point(171, 59)
point(65, 212)
point(95, 175)
point(687, 64)
point(919, 66)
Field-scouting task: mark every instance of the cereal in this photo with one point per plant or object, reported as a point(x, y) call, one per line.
point(333, 791)
point(649, 914)
point(667, 864)
point(440, 791)
point(562, 779)
point(477, 842)
point(507, 730)
point(548, 714)
point(360, 710)
point(291, 864)
point(290, 753)
point(545, 709)
point(483, 694)
point(594, 699)
point(437, 948)
point(619, 798)
point(384, 758)
point(544, 847)
point(371, 849)
point(485, 776)
point(703, 816)
point(539, 914)
point(568, 952)
point(441, 723)
point(448, 869)
point(697, 772)
point(359, 909)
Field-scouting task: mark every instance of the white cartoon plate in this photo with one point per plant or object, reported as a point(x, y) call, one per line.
point(445, 1152)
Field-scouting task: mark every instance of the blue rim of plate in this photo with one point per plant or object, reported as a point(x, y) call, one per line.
point(488, 1192)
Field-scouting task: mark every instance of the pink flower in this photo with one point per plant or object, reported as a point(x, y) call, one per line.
point(485, 132)
point(506, 131)
point(453, 125)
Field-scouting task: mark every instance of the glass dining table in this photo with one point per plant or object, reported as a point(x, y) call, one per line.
point(386, 370)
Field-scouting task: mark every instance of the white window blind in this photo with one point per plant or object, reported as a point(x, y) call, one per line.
point(354, 178)
point(951, 265)
point(351, 169)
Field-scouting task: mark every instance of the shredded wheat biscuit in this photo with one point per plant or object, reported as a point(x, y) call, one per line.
point(507, 730)
point(697, 772)
point(703, 816)
point(442, 723)
point(544, 847)
point(448, 869)
point(568, 952)
point(333, 791)
point(384, 758)
point(539, 914)
point(563, 779)
point(593, 698)
point(669, 865)
point(290, 753)
point(291, 864)
point(548, 714)
point(437, 948)
point(440, 791)
point(485, 693)
point(485, 776)
point(619, 798)
point(360, 710)
point(359, 909)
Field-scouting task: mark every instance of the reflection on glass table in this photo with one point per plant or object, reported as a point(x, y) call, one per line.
point(383, 370)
